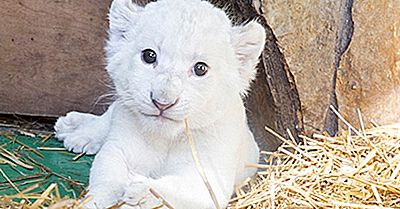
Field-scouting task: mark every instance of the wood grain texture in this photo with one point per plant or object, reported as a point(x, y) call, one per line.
point(51, 57)
point(369, 73)
point(307, 32)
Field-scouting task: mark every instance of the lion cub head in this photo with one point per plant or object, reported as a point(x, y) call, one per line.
point(177, 59)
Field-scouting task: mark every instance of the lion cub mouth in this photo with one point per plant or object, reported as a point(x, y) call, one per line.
point(160, 117)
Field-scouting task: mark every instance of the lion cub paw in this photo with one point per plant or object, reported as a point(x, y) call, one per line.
point(79, 133)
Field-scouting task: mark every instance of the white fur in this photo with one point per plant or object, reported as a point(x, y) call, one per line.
point(138, 152)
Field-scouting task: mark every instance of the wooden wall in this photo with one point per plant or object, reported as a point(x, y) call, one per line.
point(51, 55)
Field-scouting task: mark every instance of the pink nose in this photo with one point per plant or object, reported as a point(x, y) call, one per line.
point(162, 106)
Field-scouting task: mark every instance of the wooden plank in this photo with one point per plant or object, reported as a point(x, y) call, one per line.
point(51, 57)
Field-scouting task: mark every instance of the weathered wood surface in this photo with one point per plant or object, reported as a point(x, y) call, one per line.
point(313, 36)
point(51, 57)
point(369, 73)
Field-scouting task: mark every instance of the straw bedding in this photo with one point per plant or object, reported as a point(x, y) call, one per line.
point(358, 169)
point(35, 172)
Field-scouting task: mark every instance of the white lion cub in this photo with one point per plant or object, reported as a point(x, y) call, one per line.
point(169, 61)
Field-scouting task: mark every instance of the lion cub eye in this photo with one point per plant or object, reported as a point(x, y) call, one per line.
point(149, 56)
point(200, 69)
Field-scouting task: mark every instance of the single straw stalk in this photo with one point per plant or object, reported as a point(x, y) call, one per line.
point(199, 166)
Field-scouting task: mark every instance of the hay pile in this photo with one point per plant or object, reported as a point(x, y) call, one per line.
point(359, 169)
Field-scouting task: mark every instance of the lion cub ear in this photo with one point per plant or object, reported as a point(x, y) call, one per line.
point(121, 19)
point(121, 14)
point(248, 43)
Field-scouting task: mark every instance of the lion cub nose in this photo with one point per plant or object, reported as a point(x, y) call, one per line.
point(163, 106)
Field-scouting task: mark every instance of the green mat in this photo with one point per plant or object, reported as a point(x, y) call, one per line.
point(29, 161)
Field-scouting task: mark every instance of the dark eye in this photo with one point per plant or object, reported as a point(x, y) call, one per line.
point(149, 56)
point(200, 69)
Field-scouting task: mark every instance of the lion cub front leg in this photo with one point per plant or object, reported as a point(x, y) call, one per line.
point(83, 132)
point(108, 176)
point(113, 180)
